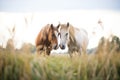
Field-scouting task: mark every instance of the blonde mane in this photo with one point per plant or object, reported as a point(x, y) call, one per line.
point(72, 33)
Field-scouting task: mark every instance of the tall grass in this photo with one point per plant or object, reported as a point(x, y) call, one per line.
point(31, 67)
point(14, 66)
point(104, 65)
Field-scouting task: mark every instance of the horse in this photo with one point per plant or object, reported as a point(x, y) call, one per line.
point(47, 39)
point(76, 39)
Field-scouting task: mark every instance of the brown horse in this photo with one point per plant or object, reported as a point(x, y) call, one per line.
point(47, 39)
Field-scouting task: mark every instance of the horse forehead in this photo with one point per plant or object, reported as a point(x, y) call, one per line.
point(64, 28)
point(55, 31)
point(62, 31)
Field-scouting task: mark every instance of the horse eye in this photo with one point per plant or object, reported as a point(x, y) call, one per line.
point(53, 35)
point(58, 34)
point(66, 34)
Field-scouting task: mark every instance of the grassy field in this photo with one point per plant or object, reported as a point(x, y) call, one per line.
point(23, 66)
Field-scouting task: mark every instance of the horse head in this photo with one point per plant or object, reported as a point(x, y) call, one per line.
point(64, 35)
point(53, 35)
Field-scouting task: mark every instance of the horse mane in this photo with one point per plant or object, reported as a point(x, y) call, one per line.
point(43, 35)
point(72, 33)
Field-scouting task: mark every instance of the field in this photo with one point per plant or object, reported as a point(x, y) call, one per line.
point(23, 66)
point(103, 64)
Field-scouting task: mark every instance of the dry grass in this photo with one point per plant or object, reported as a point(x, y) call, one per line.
point(104, 65)
point(33, 67)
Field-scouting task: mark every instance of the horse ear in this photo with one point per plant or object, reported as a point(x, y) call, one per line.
point(68, 24)
point(51, 26)
point(58, 25)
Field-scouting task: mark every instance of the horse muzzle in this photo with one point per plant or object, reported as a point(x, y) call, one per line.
point(62, 46)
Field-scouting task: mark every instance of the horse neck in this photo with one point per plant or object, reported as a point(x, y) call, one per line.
point(72, 34)
point(72, 44)
point(44, 33)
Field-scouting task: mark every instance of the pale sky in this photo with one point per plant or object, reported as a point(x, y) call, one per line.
point(55, 5)
point(80, 13)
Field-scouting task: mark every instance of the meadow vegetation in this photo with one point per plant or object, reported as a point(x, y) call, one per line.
point(104, 64)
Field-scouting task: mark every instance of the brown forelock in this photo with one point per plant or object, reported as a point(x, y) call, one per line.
point(72, 33)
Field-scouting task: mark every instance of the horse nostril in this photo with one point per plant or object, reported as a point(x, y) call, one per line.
point(62, 46)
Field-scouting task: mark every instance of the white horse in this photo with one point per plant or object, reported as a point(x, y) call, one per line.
point(76, 39)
